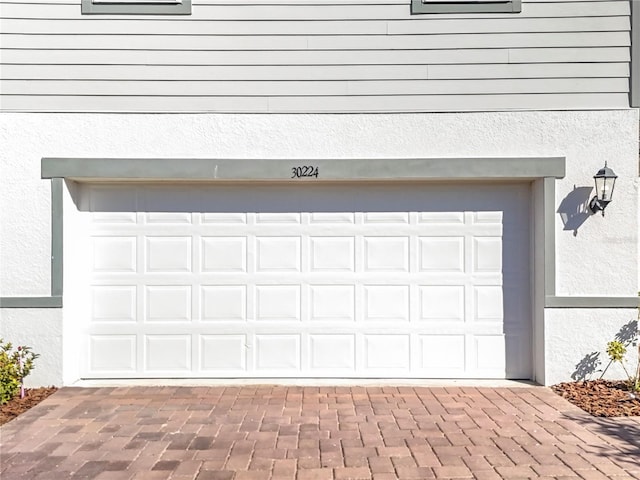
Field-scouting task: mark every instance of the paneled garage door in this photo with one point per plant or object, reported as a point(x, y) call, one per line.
point(308, 280)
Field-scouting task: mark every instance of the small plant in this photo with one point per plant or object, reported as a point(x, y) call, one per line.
point(14, 367)
point(617, 351)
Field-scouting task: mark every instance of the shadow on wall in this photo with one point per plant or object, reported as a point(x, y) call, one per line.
point(574, 209)
point(591, 362)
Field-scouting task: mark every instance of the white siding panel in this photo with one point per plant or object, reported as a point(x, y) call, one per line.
point(150, 42)
point(266, 73)
point(405, 27)
point(505, 40)
point(459, 64)
point(252, 57)
point(513, 71)
point(72, 103)
point(512, 24)
point(445, 103)
point(400, 103)
point(212, 73)
point(136, 25)
point(541, 55)
point(413, 49)
point(311, 88)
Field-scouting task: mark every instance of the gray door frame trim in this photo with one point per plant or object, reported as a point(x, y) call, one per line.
point(55, 299)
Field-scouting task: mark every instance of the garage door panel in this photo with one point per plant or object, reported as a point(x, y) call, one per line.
point(442, 254)
point(223, 302)
point(222, 353)
point(277, 353)
point(288, 217)
point(443, 355)
point(114, 303)
point(386, 217)
point(168, 254)
point(387, 352)
point(487, 254)
point(331, 217)
point(168, 218)
point(332, 254)
point(488, 303)
point(167, 353)
point(441, 218)
point(488, 354)
point(277, 254)
point(442, 302)
point(314, 281)
point(223, 254)
point(112, 354)
point(224, 218)
point(389, 303)
point(114, 254)
point(389, 254)
point(167, 303)
point(114, 218)
point(332, 352)
point(278, 302)
point(332, 303)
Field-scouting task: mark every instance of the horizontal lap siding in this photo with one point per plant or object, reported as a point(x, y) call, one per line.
point(324, 56)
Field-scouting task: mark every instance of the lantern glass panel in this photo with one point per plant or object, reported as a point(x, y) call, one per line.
point(604, 188)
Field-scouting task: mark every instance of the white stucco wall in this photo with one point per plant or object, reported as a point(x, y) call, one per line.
point(580, 336)
point(40, 329)
point(587, 139)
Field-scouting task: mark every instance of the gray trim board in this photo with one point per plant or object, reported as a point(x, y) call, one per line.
point(55, 300)
point(549, 199)
point(140, 7)
point(194, 169)
point(31, 302)
point(552, 301)
point(477, 6)
point(634, 80)
point(56, 237)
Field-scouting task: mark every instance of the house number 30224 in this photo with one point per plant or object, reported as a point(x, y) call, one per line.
point(304, 171)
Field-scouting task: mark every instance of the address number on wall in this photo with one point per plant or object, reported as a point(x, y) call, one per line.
point(304, 171)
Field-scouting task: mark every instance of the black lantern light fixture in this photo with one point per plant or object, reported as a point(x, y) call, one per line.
point(605, 181)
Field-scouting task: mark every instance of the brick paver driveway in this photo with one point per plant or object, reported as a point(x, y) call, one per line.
point(304, 433)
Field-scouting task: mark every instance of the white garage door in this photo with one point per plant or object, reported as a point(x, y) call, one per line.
point(343, 280)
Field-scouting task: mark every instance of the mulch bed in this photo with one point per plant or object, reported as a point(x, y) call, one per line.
point(601, 398)
point(17, 405)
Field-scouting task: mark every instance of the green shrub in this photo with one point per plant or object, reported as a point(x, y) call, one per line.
point(9, 378)
point(14, 367)
point(617, 351)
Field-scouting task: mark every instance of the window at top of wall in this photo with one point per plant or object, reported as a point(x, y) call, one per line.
point(466, 6)
point(136, 7)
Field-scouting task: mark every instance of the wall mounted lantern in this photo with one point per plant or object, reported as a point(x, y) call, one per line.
point(605, 181)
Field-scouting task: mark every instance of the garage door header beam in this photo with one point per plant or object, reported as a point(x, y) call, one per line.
point(383, 169)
